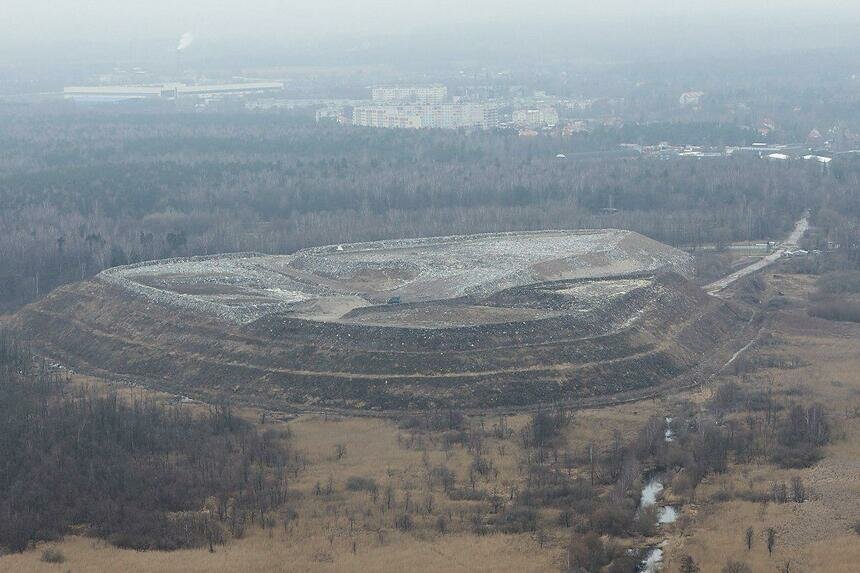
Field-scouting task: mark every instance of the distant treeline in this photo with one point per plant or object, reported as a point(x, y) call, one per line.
point(136, 473)
point(87, 190)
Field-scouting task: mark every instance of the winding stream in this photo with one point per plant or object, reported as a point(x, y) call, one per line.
point(669, 434)
point(653, 561)
point(650, 493)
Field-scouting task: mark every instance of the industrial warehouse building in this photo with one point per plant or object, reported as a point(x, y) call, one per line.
point(168, 91)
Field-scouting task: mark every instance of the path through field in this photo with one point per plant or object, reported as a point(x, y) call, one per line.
point(790, 242)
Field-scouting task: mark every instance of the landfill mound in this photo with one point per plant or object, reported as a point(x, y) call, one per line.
point(326, 283)
point(504, 320)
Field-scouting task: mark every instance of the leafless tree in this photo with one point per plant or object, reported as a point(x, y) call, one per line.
point(689, 565)
point(339, 451)
point(736, 567)
point(798, 491)
point(771, 540)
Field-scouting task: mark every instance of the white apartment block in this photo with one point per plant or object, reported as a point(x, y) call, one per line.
point(386, 116)
point(440, 116)
point(410, 94)
point(691, 99)
point(537, 117)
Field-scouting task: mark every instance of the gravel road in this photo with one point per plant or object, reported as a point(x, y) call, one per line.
point(790, 243)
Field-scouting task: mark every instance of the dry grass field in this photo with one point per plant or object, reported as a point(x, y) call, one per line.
point(303, 552)
point(815, 535)
point(349, 530)
point(322, 540)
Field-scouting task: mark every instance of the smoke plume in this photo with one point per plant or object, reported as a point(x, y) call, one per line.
point(185, 41)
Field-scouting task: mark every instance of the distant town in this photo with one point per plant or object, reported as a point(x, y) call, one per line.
point(528, 112)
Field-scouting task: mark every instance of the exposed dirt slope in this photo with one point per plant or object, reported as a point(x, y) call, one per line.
point(664, 331)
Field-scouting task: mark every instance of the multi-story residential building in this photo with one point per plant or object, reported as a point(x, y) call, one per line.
point(691, 99)
point(331, 114)
point(433, 94)
point(439, 116)
point(386, 116)
point(544, 116)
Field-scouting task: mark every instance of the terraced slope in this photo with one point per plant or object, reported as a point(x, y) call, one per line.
point(481, 323)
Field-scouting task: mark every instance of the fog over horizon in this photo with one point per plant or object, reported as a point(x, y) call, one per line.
point(93, 31)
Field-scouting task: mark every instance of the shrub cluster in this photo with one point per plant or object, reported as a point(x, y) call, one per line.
point(137, 473)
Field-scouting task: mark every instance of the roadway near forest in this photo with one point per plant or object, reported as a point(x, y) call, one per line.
point(791, 242)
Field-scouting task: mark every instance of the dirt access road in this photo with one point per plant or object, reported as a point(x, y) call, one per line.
point(790, 243)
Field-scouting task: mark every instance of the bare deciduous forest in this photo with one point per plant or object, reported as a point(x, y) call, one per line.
point(86, 191)
point(134, 473)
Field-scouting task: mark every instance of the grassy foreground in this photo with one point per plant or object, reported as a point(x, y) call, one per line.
point(801, 359)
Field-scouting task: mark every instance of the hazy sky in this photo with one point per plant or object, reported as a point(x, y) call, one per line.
point(39, 25)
